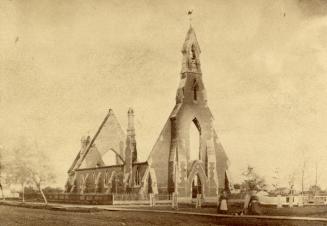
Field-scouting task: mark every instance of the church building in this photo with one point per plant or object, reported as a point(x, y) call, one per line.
point(171, 167)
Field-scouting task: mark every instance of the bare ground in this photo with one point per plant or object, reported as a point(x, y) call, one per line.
point(12, 216)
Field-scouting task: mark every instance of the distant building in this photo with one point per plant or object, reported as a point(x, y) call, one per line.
point(170, 166)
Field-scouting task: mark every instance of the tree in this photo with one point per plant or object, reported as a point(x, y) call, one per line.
point(314, 189)
point(1, 171)
point(276, 179)
point(40, 171)
point(237, 186)
point(15, 168)
point(27, 165)
point(252, 180)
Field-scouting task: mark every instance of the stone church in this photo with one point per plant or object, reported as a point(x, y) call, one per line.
point(170, 167)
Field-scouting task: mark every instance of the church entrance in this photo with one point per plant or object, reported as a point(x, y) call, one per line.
point(196, 187)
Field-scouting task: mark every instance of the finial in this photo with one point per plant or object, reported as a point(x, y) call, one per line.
point(130, 111)
point(189, 13)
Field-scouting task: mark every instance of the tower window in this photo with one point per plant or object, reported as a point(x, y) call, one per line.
point(192, 53)
point(195, 90)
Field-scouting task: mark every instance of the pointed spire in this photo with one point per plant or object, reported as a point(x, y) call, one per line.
point(191, 53)
point(191, 89)
point(131, 133)
point(189, 13)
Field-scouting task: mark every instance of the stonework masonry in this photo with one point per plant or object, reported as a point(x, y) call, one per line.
point(169, 167)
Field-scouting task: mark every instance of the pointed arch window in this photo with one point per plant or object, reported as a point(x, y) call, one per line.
point(137, 176)
point(107, 177)
point(114, 184)
point(150, 190)
point(193, 56)
point(195, 97)
point(195, 90)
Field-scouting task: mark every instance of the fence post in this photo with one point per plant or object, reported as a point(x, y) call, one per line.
point(301, 201)
point(279, 201)
point(198, 201)
point(151, 199)
point(174, 201)
point(291, 200)
point(154, 200)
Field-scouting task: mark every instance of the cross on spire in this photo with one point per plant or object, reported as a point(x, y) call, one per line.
point(189, 13)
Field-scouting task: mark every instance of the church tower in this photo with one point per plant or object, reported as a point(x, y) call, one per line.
point(171, 158)
point(191, 89)
point(130, 151)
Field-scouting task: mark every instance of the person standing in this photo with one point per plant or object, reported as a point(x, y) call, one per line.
point(247, 200)
point(251, 204)
point(223, 207)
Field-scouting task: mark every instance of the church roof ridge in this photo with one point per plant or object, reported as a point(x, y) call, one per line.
point(78, 161)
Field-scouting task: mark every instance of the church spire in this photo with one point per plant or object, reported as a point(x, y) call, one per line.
point(189, 13)
point(191, 89)
point(191, 53)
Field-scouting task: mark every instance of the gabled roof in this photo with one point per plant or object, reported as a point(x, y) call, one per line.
point(81, 156)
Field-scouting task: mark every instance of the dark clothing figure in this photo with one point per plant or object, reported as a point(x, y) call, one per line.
point(254, 206)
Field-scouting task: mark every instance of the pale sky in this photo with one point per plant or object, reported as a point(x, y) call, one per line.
point(63, 64)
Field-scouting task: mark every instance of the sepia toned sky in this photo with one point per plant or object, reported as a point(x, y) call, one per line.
point(63, 64)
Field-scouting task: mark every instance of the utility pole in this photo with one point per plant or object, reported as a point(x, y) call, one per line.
point(303, 168)
point(316, 181)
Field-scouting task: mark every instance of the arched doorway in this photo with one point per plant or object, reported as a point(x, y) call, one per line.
point(196, 186)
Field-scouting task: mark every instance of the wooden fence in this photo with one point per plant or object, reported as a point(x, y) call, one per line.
point(102, 199)
point(140, 199)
